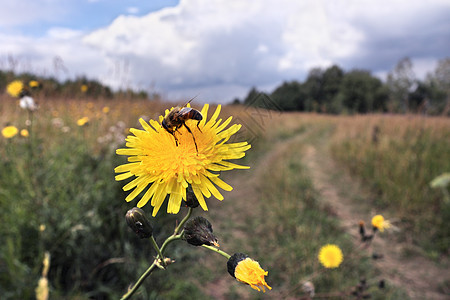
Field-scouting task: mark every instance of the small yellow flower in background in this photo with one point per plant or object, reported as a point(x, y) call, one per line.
point(105, 109)
point(84, 88)
point(156, 160)
point(42, 227)
point(33, 84)
point(42, 291)
point(380, 223)
point(248, 271)
point(9, 131)
point(83, 121)
point(330, 256)
point(24, 133)
point(14, 88)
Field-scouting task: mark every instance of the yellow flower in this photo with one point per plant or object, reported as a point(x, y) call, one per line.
point(24, 133)
point(83, 121)
point(248, 271)
point(14, 88)
point(84, 88)
point(33, 84)
point(105, 109)
point(156, 160)
point(330, 256)
point(380, 223)
point(9, 131)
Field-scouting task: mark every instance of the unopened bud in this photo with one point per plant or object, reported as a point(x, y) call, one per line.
point(198, 231)
point(191, 200)
point(139, 223)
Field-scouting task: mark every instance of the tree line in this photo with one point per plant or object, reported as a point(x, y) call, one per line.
point(79, 87)
point(332, 90)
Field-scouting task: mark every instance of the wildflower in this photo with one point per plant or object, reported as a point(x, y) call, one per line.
point(378, 222)
point(139, 223)
point(105, 109)
point(84, 88)
point(198, 231)
point(24, 133)
point(26, 102)
point(42, 290)
point(248, 271)
point(15, 88)
point(9, 131)
point(83, 121)
point(156, 160)
point(330, 256)
point(34, 84)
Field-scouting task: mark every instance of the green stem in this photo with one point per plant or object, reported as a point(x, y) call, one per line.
point(140, 281)
point(180, 226)
point(175, 236)
point(223, 253)
point(158, 250)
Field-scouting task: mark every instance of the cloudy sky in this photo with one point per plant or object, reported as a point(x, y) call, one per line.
point(218, 49)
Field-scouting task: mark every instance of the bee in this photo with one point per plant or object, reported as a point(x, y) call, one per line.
point(178, 116)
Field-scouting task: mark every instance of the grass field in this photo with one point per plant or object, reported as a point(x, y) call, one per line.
point(58, 194)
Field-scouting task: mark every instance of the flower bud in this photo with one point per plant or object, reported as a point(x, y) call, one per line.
point(198, 231)
point(191, 200)
point(139, 223)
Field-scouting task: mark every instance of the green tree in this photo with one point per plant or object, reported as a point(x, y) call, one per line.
point(290, 96)
point(362, 93)
point(439, 83)
point(400, 82)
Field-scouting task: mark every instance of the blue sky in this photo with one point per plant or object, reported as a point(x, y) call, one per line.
point(218, 49)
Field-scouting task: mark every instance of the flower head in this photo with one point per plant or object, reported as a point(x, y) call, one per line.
point(83, 121)
point(34, 84)
point(198, 231)
point(330, 256)
point(248, 271)
point(15, 88)
point(24, 133)
point(170, 168)
point(84, 88)
point(378, 222)
point(9, 131)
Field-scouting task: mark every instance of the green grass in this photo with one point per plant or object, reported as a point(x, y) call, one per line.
point(398, 168)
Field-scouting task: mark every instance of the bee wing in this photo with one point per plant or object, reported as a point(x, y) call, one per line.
point(184, 111)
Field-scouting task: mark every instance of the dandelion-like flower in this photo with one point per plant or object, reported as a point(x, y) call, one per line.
point(378, 222)
point(34, 84)
point(330, 256)
point(83, 121)
point(24, 133)
point(15, 88)
point(248, 271)
point(84, 88)
point(9, 131)
point(156, 160)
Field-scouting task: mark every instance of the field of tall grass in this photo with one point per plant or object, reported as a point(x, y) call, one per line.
point(58, 195)
point(397, 157)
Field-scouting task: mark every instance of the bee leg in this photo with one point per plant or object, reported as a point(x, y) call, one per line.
point(188, 129)
point(199, 127)
point(176, 140)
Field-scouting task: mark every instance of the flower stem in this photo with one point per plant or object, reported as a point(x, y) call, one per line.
point(180, 226)
point(177, 234)
point(140, 281)
point(223, 253)
point(158, 250)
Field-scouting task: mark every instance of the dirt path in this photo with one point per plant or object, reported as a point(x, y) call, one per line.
point(418, 276)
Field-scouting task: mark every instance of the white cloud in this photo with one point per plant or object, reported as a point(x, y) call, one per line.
point(222, 48)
